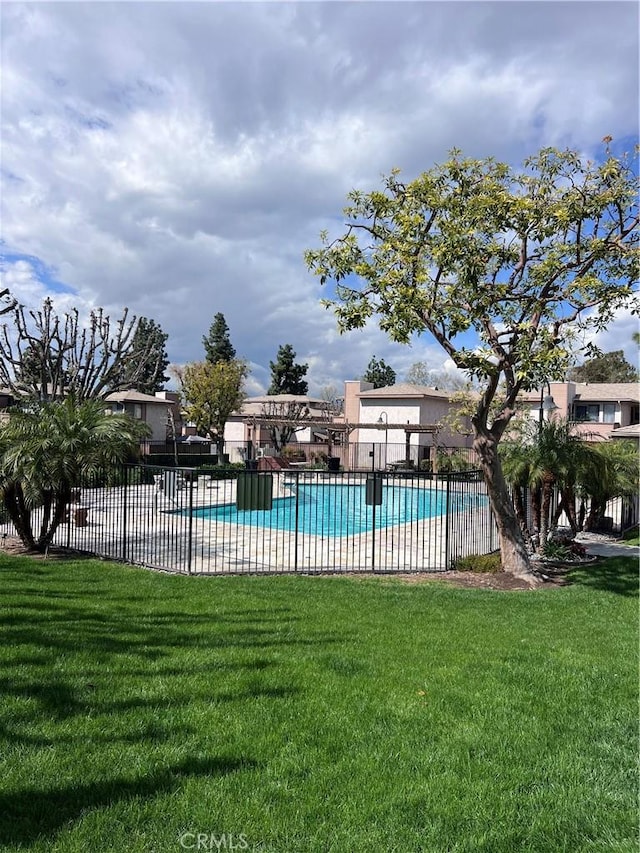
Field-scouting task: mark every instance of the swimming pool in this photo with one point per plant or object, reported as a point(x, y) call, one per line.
point(336, 509)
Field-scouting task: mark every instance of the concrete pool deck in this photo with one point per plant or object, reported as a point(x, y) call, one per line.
point(152, 527)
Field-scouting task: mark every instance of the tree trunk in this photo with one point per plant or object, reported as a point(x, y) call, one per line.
point(59, 502)
point(19, 513)
point(545, 511)
point(513, 551)
point(521, 515)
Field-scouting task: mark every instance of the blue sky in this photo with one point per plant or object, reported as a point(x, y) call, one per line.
point(178, 158)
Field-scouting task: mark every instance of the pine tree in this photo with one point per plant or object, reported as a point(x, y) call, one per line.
point(217, 344)
point(379, 373)
point(148, 347)
point(286, 375)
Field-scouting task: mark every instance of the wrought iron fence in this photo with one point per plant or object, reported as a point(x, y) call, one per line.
point(231, 520)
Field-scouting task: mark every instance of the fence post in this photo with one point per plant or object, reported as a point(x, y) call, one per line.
point(295, 537)
point(190, 539)
point(447, 523)
point(125, 512)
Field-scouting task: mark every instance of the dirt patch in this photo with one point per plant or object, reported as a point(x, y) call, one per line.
point(13, 546)
point(470, 580)
point(467, 580)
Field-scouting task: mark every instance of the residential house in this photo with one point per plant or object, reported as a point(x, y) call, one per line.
point(401, 422)
point(598, 410)
point(252, 426)
point(153, 410)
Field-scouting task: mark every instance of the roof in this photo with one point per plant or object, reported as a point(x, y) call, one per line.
point(404, 390)
point(287, 398)
point(593, 392)
point(603, 391)
point(257, 405)
point(632, 431)
point(132, 396)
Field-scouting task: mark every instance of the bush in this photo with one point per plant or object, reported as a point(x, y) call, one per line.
point(481, 563)
point(453, 461)
point(293, 454)
point(563, 549)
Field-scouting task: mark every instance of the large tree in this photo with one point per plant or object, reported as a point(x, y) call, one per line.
point(45, 356)
point(48, 450)
point(499, 265)
point(148, 349)
point(217, 344)
point(606, 367)
point(211, 393)
point(287, 377)
point(379, 373)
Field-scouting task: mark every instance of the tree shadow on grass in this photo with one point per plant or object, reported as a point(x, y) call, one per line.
point(619, 575)
point(33, 812)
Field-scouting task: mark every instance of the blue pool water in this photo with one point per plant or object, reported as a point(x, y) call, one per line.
point(335, 510)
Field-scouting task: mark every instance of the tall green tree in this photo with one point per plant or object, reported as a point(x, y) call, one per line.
point(145, 369)
point(217, 344)
point(211, 393)
point(607, 367)
point(379, 373)
point(500, 266)
point(287, 377)
point(46, 451)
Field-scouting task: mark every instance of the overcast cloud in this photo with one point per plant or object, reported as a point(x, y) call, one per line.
point(178, 158)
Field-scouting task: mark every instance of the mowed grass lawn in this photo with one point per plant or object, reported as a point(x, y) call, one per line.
point(296, 713)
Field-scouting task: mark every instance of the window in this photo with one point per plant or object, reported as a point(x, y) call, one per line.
point(586, 412)
point(609, 413)
point(137, 412)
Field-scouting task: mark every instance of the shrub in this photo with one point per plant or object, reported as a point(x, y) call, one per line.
point(448, 462)
point(293, 454)
point(485, 563)
point(564, 549)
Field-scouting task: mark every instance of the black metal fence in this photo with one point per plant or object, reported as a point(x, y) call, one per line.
point(233, 521)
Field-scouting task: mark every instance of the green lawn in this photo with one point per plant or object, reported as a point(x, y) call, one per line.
point(294, 713)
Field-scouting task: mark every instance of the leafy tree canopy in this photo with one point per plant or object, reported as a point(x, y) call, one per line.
point(287, 377)
point(217, 344)
point(211, 393)
point(608, 367)
point(379, 373)
point(500, 266)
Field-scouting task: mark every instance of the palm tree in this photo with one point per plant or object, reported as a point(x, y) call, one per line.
point(614, 473)
point(547, 457)
point(48, 451)
point(516, 466)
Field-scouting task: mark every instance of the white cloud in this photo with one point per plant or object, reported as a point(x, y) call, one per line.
point(179, 158)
